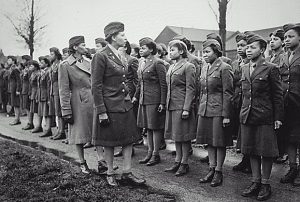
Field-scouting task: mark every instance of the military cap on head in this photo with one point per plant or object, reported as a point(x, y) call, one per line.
point(164, 47)
point(46, 59)
point(145, 41)
point(215, 37)
point(176, 41)
point(26, 57)
point(76, 40)
point(179, 37)
point(210, 42)
point(100, 40)
point(278, 33)
point(133, 45)
point(12, 58)
point(35, 64)
point(256, 37)
point(240, 36)
point(290, 26)
point(249, 34)
point(112, 28)
point(65, 50)
point(54, 49)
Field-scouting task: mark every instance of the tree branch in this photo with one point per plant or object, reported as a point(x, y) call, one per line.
point(214, 12)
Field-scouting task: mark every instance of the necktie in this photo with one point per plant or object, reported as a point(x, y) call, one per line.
point(252, 67)
point(291, 57)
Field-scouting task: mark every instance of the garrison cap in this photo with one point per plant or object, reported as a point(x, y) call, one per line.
point(145, 41)
point(26, 57)
point(278, 33)
point(290, 26)
point(112, 28)
point(240, 36)
point(76, 40)
point(257, 38)
point(65, 50)
point(210, 42)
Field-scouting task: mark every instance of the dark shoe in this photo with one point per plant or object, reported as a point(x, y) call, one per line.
point(174, 168)
point(282, 159)
point(111, 180)
point(291, 175)
point(242, 165)
point(131, 179)
point(146, 159)
point(141, 142)
point(217, 180)
point(296, 182)
point(84, 168)
point(191, 152)
point(264, 193)
point(155, 159)
point(15, 122)
point(182, 170)
point(119, 153)
point(204, 160)
point(37, 130)
point(65, 141)
point(88, 145)
point(163, 146)
point(29, 126)
point(252, 190)
point(133, 152)
point(60, 136)
point(48, 133)
point(209, 176)
point(102, 167)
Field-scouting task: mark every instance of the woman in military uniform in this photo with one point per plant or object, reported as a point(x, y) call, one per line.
point(114, 122)
point(14, 88)
point(151, 93)
point(25, 101)
point(215, 109)
point(261, 113)
point(290, 74)
point(76, 97)
point(55, 107)
point(44, 95)
point(180, 117)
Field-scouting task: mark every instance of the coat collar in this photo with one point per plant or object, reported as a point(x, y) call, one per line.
point(83, 66)
point(110, 53)
point(177, 66)
point(215, 65)
point(148, 62)
point(296, 55)
point(260, 66)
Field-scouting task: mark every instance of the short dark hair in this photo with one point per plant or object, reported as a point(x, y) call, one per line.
point(181, 48)
point(152, 46)
point(216, 50)
point(109, 39)
point(137, 50)
point(188, 43)
point(262, 45)
point(57, 54)
point(128, 48)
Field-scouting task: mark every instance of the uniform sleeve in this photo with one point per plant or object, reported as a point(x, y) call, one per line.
point(227, 88)
point(161, 72)
point(97, 75)
point(277, 94)
point(132, 79)
point(64, 89)
point(190, 85)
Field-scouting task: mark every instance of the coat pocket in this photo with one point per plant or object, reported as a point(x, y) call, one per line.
point(84, 96)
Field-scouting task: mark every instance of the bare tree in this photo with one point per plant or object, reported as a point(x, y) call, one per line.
point(221, 19)
point(27, 25)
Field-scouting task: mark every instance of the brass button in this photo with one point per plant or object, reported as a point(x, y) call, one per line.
point(123, 90)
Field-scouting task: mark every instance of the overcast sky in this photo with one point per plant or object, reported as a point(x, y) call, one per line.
point(67, 18)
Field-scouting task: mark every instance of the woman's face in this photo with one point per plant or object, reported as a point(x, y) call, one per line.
point(65, 55)
point(52, 56)
point(81, 49)
point(175, 53)
point(32, 68)
point(254, 50)
point(43, 64)
point(241, 47)
point(120, 39)
point(209, 55)
point(291, 39)
point(275, 42)
point(9, 61)
point(145, 51)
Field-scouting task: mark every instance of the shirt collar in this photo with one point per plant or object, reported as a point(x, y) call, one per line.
point(115, 51)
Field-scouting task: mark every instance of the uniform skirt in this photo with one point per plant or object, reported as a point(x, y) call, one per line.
point(33, 106)
point(14, 100)
point(121, 131)
point(291, 127)
point(178, 129)
point(210, 131)
point(55, 108)
point(25, 102)
point(43, 108)
point(148, 117)
point(259, 140)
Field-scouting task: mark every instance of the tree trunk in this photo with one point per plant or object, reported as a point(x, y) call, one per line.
point(31, 30)
point(222, 22)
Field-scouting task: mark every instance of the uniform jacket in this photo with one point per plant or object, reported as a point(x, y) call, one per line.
point(216, 90)
point(25, 75)
point(14, 80)
point(276, 59)
point(262, 95)
point(76, 96)
point(109, 89)
point(237, 85)
point(44, 85)
point(33, 82)
point(54, 91)
point(131, 77)
point(197, 63)
point(152, 86)
point(2, 82)
point(290, 75)
point(181, 81)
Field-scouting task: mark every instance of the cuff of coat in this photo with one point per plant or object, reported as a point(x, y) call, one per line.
point(186, 109)
point(100, 109)
point(66, 112)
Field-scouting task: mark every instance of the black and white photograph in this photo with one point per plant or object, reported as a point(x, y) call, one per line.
point(149, 101)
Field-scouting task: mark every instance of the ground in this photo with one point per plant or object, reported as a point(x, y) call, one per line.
point(165, 185)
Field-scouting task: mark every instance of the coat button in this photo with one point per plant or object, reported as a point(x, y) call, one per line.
point(124, 75)
point(123, 90)
point(123, 82)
